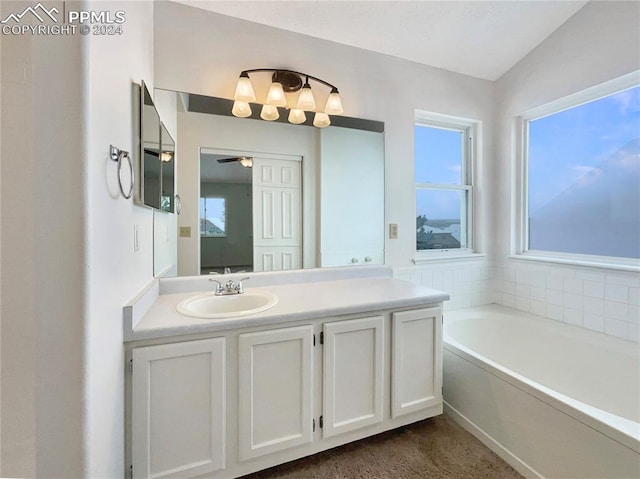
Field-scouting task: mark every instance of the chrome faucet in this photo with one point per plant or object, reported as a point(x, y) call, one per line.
point(230, 287)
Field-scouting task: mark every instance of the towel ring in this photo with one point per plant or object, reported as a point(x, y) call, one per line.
point(178, 204)
point(119, 155)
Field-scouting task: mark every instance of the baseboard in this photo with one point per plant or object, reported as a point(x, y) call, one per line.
point(510, 458)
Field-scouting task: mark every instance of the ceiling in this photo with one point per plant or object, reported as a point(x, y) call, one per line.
point(213, 172)
point(479, 38)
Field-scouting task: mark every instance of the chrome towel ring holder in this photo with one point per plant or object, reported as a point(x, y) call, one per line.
point(116, 154)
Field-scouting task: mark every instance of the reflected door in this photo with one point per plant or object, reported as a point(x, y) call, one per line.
point(277, 219)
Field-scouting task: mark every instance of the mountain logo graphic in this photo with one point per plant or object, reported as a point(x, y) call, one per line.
point(16, 17)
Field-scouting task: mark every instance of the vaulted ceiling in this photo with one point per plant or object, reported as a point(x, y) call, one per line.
point(483, 39)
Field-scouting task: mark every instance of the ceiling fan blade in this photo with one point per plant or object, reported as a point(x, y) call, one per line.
point(227, 160)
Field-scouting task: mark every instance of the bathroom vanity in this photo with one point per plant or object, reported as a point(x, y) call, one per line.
point(344, 354)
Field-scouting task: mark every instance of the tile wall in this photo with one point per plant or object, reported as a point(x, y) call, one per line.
point(606, 301)
point(469, 283)
point(602, 300)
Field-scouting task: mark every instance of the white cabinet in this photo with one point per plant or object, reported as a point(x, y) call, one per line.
point(275, 390)
point(416, 361)
point(352, 374)
point(178, 409)
point(291, 392)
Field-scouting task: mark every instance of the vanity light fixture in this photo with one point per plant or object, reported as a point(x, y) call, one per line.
point(166, 156)
point(283, 82)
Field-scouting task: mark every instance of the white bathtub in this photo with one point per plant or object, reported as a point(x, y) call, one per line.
point(553, 400)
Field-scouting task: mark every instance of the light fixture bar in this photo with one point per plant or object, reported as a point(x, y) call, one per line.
point(274, 70)
point(286, 81)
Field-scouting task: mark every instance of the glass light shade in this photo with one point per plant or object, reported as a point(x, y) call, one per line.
point(321, 120)
point(334, 104)
point(246, 161)
point(166, 156)
point(269, 113)
point(244, 90)
point(306, 101)
point(297, 116)
point(276, 96)
point(241, 109)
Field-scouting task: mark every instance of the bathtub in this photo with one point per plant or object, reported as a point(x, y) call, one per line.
point(553, 400)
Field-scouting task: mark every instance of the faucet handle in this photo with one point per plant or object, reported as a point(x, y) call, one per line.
point(239, 288)
point(219, 287)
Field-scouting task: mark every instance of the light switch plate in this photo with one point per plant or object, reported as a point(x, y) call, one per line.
point(136, 238)
point(185, 232)
point(393, 231)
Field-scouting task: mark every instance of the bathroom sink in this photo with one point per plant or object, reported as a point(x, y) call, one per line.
point(210, 306)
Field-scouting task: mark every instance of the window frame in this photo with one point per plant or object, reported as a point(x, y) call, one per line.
point(520, 180)
point(471, 130)
point(220, 197)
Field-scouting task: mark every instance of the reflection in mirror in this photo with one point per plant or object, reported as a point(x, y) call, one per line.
point(316, 195)
point(151, 170)
point(167, 161)
point(226, 231)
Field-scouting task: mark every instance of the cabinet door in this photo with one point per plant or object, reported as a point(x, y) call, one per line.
point(276, 372)
point(179, 409)
point(353, 374)
point(416, 361)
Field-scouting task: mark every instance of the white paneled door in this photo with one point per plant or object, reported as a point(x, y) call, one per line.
point(353, 374)
point(277, 216)
point(276, 390)
point(416, 360)
point(179, 409)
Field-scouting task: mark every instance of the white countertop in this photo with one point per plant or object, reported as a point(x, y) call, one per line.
point(296, 302)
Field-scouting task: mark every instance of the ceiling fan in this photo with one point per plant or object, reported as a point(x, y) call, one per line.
point(246, 161)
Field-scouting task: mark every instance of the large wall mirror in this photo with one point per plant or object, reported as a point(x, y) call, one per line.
point(265, 196)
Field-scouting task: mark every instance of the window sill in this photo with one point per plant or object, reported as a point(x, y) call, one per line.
point(446, 257)
point(591, 263)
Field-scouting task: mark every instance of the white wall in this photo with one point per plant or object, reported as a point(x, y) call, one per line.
point(17, 206)
point(2, 107)
point(599, 43)
point(115, 273)
point(216, 49)
point(42, 309)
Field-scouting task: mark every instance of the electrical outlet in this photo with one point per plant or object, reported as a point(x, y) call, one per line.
point(393, 231)
point(185, 232)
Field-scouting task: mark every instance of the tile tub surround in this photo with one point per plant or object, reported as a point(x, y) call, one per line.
point(468, 282)
point(302, 295)
point(602, 300)
point(598, 299)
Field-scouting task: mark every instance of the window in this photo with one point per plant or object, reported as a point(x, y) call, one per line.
point(442, 157)
point(213, 217)
point(581, 165)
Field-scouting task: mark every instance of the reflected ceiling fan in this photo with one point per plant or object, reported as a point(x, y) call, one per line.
point(246, 161)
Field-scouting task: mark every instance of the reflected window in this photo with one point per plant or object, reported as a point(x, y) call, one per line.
point(583, 178)
point(442, 154)
point(213, 214)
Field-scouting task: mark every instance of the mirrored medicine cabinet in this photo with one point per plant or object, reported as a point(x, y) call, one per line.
point(157, 159)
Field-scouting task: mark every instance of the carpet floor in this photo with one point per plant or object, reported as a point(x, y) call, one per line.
point(433, 448)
